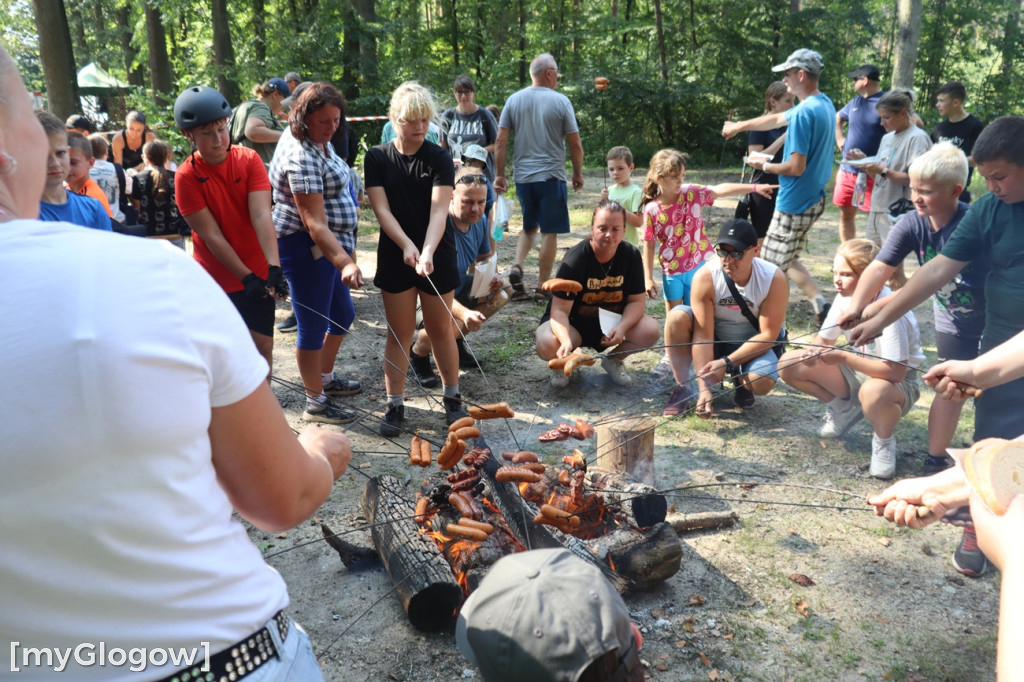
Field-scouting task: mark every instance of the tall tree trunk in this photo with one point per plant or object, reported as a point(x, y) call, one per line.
point(259, 29)
point(76, 23)
point(125, 29)
point(629, 12)
point(350, 52)
point(159, 63)
point(57, 57)
point(523, 60)
point(367, 12)
point(908, 34)
point(453, 22)
point(223, 51)
point(663, 64)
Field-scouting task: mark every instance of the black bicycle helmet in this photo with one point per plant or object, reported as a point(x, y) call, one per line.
point(198, 106)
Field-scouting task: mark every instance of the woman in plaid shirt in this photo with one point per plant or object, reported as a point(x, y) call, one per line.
point(316, 218)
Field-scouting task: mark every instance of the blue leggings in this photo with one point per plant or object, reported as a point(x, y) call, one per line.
point(316, 284)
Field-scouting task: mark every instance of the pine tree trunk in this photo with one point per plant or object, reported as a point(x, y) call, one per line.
point(57, 56)
point(908, 34)
point(159, 63)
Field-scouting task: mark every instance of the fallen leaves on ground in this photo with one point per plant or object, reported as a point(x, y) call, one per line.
point(695, 600)
point(802, 608)
point(802, 580)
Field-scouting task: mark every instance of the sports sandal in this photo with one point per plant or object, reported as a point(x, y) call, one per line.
point(515, 278)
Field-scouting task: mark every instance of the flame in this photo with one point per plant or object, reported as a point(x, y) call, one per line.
point(611, 563)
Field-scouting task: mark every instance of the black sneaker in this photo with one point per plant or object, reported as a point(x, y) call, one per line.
point(967, 558)
point(466, 358)
point(422, 371)
point(454, 409)
point(327, 414)
point(289, 324)
point(934, 464)
point(743, 397)
point(515, 278)
point(819, 318)
point(342, 387)
point(393, 416)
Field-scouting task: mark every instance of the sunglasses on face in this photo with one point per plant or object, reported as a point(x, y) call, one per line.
point(472, 179)
point(724, 253)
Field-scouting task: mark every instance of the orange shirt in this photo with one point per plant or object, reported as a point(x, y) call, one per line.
point(91, 189)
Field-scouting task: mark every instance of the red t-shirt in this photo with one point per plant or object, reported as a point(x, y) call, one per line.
point(224, 189)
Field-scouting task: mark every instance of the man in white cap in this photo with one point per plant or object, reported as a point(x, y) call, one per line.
point(805, 169)
point(548, 616)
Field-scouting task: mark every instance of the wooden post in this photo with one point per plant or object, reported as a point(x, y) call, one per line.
point(628, 445)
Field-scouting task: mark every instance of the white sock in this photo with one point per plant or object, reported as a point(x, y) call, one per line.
point(451, 391)
point(316, 400)
point(883, 441)
point(396, 400)
point(328, 377)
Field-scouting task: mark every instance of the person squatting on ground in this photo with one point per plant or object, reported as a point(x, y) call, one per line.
point(804, 171)
point(223, 192)
point(718, 331)
point(410, 182)
point(902, 143)
point(170, 427)
point(624, 191)
point(877, 380)
point(57, 203)
point(468, 224)
point(610, 272)
point(863, 135)
point(777, 99)
point(990, 229)
point(936, 181)
point(548, 616)
point(544, 123)
point(315, 220)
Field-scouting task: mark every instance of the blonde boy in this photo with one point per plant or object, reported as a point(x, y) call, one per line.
point(80, 161)
point(624, 191)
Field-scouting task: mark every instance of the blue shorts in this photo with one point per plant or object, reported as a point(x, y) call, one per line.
point(765, 365)
point(544, 204)
point(314, 284)
point(677, 287)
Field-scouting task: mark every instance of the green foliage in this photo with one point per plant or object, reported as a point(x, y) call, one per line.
point(718, 54)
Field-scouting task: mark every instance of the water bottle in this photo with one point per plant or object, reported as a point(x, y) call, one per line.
point(860, 188)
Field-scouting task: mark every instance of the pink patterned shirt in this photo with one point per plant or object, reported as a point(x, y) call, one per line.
point(679, 229)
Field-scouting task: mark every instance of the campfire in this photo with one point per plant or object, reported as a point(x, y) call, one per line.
point(438, 546)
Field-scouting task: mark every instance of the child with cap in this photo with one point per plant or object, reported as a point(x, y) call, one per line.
point(548, 616)
point(475, 156)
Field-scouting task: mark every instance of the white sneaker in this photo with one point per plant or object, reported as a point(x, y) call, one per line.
point(883, 457)
point(838, 422)
point(616, 371)
point(559, 380)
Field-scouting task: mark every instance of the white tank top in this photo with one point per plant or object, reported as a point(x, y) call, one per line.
point(730, 323)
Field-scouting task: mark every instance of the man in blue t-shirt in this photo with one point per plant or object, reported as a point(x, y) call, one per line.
point(806, 167)
point(468, 224)
point(864, 132)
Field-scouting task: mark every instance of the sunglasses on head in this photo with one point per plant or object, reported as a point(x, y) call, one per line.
point(735, 255)
point(472, 179)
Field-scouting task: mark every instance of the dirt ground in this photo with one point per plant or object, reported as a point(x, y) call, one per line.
point(885, 603)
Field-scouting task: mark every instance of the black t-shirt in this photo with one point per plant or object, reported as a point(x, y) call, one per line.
point(408, 182)
point(963, 134)
point(607, 286)
point(765, 138)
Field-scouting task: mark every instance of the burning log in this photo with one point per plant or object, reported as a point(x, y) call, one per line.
point(423, 579)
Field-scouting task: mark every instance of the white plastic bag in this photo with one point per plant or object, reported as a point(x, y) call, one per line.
point(501, 210)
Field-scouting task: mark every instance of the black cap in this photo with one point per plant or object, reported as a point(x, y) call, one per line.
point(738, 233)
point(79, 122)
point(869, 71)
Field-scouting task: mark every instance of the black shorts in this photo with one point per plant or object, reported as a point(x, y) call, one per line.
point(951, 347)
point(588, 328)
point(395, 278)
point(257, 313)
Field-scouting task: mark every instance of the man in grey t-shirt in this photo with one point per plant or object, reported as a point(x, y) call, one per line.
point(543, 121)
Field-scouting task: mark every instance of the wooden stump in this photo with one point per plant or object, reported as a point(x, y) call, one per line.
point(628, 446)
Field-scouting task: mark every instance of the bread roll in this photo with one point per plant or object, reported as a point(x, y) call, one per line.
point(995, 468)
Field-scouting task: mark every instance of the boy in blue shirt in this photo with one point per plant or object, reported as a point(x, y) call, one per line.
point(58, 204)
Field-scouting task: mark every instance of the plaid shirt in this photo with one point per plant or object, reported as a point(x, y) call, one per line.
point(305, 168)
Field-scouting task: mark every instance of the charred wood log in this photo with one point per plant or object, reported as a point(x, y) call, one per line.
point(701, 520)
point(423, 579)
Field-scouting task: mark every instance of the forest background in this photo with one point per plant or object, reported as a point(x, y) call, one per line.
point(677, 68)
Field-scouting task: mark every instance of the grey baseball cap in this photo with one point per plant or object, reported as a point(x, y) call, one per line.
point(805, 60)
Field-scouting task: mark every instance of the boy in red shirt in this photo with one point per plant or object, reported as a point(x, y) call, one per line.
point(223, 193)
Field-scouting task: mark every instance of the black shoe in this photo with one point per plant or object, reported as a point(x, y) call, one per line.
point(743, 397)
point(327, 414)
point(289, 324)
point(466, 358)
point(422, 371)
point(393, 416)
point(934, 464)
point(819, 318)
point(342, 387)
point(453, 409)
point(515, 278)
point(967, 558)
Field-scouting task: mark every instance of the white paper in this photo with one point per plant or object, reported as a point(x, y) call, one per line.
point(757, 156)
point(608, 320)
point(857, 163)
point(483, 274)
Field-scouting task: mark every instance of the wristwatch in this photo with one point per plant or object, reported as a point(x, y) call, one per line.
point(884, 174)
point(730, 368)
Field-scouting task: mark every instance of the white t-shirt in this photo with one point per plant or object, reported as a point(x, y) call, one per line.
point(730, 323)
point(899, 342)
point(114, 526)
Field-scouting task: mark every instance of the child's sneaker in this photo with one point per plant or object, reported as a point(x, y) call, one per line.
point(394, 415)
point(967, 558)
point(839, 421)
point(883, 457)
point(616, 372)
point(342, 387)
point(453, 409)
point(933, 464)
point(325, 413)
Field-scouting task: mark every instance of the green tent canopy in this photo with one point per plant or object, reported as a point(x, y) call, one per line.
point(93, 80)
